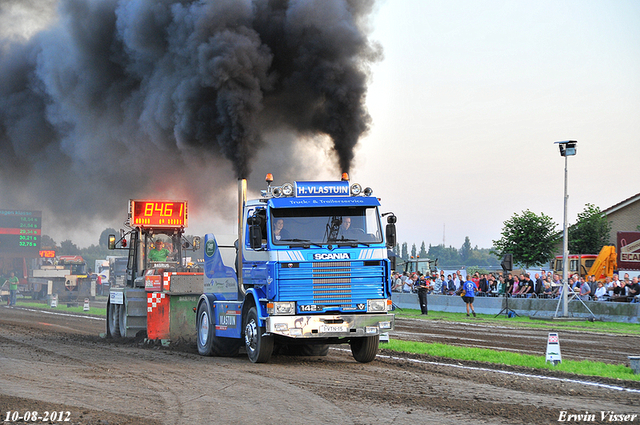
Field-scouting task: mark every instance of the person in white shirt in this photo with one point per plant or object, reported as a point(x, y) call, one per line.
point(600, 292)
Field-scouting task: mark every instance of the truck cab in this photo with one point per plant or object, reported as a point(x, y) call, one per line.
point(311, 270)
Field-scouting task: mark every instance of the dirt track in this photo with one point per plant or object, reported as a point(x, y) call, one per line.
point(50, 362)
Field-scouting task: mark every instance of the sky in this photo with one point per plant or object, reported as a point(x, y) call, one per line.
point(466, 102)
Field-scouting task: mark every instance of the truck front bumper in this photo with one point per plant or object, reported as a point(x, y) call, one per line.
point(331, 325)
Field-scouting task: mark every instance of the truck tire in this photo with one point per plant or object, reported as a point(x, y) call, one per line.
point(259, 346)
point(315, 350)
point(123, 320)
point(113, 320)
point(365, 349)
point(307, 350)
point(208, 343)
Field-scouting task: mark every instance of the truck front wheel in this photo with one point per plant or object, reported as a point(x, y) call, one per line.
point(259, 346)
point(365, 349)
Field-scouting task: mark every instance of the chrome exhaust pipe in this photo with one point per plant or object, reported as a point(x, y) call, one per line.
point(242, 201)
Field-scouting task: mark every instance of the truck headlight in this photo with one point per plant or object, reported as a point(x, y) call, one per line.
point(377, 306)
point(281, 308)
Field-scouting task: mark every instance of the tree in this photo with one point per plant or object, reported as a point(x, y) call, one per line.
point(529, 237)
point(68, 248)
point(405, 252)
point(47, 242)
point(465, 250)
point(423, 251)
point(591, 231)
point(414, 250)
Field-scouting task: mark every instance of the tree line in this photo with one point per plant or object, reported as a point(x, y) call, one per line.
point(533, 239)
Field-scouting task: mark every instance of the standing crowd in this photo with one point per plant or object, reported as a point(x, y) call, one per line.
point(542, 285)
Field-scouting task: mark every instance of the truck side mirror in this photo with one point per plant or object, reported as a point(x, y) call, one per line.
point(255, 233)
point(112, 242)
point(255, 236)
point(391, 231)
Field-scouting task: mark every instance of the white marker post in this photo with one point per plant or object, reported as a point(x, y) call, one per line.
point(553, 349)
point(86, 305)
point(54, 300)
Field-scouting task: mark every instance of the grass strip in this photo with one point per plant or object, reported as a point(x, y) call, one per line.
point(584, 367)
point(525, 322)
point(63, 308)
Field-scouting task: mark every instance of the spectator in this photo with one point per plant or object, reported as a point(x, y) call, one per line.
point(437, 284)
point(451, 285)
point(585, 290)
point(539, 284)
point(515, 288)
point(627, 284)
point(13, 288)
point(509, 283)
point(408, 284)
point(397, 283)
point(600, 292)
point(483, 286)
point(526, 286)
point(622, 292)
point(457, 280)
point(547, 292)
point(468, 289)
point(634, 290)
point(612, 285)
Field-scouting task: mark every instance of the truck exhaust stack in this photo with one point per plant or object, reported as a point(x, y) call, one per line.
point(242, 201)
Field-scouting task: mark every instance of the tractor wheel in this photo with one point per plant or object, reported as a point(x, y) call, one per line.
point(113, 320)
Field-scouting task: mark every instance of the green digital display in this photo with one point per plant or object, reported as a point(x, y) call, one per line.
point(20, 233)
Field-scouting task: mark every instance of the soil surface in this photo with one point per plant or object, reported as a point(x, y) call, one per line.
point(58, 363)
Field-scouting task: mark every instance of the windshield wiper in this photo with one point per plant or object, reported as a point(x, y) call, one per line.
point(353, 242)
point(305, 243)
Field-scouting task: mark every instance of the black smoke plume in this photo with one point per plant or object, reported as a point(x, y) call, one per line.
point(117, 98)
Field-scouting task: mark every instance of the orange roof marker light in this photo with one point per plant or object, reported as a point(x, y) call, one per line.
point(269, 178)
point(345, 177)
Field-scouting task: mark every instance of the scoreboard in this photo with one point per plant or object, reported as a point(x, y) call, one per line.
point(20, 233)
point(147, 213)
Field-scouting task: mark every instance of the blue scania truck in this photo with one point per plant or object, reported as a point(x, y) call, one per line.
point(311, 269)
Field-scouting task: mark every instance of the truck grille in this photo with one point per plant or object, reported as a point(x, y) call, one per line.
point(334, 285)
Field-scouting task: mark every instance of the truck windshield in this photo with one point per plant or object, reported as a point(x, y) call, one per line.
point(318, 226)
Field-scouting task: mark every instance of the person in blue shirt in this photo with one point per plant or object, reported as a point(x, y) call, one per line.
point(469, 288)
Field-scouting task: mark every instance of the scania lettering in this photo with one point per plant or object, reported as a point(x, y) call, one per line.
point(311, 270)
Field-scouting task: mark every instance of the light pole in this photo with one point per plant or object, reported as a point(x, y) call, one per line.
point(567, 148)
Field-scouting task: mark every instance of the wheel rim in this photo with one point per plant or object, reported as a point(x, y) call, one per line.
point(251, 335)
point(203, 335)
point(112, 318)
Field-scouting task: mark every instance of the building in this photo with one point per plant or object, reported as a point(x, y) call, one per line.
point(624, 217)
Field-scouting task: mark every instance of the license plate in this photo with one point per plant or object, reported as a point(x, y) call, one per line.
point(332, 328)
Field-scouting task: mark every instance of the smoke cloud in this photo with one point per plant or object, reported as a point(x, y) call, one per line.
point(117, 99)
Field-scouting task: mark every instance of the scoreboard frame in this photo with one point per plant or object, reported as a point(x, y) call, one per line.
point(20, 233)
point(156, 213)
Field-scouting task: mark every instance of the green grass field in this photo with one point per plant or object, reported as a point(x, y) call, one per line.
point(578, 325)
point(586, 368)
